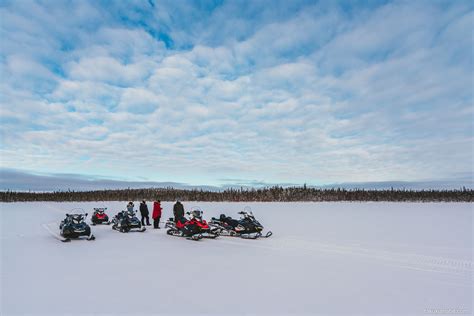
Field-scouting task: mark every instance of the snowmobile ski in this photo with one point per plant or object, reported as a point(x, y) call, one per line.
point(249, 236)
point(256, 235)
point(209, 235)
point(195, 237)
point(57, 236)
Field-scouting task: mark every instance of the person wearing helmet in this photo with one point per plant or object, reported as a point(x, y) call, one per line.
point(178, 211)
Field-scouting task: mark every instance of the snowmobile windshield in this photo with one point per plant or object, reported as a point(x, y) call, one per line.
point(248, 215)
point(196, 214)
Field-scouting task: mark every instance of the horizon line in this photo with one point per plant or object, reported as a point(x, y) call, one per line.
point(25, 181)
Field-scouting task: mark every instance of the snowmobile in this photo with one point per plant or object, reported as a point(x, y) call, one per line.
point(194, 228)
point(75, 226)
point(125, 221)
point(246, 227)
point(99, 216)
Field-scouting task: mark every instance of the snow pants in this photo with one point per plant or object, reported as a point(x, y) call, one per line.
point(156, 222)
point(145, 216)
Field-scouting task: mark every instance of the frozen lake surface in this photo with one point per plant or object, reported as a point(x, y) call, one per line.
point(323, 258)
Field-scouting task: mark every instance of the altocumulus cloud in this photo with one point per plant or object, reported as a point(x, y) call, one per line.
point(197, 92)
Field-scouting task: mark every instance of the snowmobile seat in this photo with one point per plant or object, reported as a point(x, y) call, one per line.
point(232, 222)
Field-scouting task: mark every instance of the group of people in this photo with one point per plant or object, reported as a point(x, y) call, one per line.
point(178, 212)
point(145, 214)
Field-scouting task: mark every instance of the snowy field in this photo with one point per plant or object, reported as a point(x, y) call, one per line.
point(323, 258)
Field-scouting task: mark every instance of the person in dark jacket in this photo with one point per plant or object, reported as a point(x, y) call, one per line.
point(156, 215)
point(178, 211)
point(144, 212)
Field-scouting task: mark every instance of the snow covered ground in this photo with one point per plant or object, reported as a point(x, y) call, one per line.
point(324, 258)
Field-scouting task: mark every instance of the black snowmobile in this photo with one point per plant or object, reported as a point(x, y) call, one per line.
point(246, 227)
point(75, 226)
point(99, 216)
point(194, 228)
point(126, 221)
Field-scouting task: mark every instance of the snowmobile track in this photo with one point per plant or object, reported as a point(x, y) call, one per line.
point(57, 236)
point(399, 259)
point(407, 260)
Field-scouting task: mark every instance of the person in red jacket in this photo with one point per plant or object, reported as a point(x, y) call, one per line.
point(156, 214)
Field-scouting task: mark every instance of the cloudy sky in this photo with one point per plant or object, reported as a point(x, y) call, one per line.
point(226, 92)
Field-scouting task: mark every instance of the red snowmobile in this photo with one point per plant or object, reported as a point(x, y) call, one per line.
point(99, 216)
point(194, 228)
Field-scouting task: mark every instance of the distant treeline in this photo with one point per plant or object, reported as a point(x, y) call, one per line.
point(271, 194)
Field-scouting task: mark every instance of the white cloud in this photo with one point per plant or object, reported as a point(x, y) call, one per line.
point(108, 70)
point(139, 100)
point(313, 95)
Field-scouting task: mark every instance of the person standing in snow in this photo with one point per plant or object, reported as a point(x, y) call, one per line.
point(156, 214)
point(144, 212)
point(178, 211)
